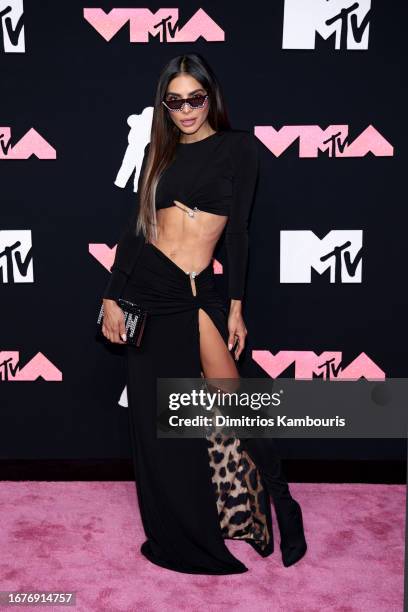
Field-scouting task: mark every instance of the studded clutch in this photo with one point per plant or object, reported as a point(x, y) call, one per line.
point(135, 321)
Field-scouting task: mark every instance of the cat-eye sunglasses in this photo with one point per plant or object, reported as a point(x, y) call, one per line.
point(177, 104)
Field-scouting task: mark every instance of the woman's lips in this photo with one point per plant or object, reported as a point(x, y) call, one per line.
point(188, 122)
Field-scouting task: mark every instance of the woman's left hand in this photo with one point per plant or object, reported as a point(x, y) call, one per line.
point(237, 332)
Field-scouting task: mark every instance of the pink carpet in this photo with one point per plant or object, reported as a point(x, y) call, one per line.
point(85, 537)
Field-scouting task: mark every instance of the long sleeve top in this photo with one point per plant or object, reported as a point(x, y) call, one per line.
point(217, 174)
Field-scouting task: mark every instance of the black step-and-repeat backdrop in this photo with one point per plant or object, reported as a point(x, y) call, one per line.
point(319, 82)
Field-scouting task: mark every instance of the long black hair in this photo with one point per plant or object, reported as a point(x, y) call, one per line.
point(165, 134)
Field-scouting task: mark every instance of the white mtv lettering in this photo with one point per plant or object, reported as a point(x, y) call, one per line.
point(138, 137)
point(16, 263)
point(347, 21)
point(339, 251)
point(12, 26)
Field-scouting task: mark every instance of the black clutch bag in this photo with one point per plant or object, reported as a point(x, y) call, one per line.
point(135, 321)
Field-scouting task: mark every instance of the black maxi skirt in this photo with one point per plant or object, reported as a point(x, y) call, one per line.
point(192, 493)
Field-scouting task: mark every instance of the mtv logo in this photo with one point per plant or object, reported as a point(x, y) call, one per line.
point(347, 22)
point(340, 251)
point(16, 260)
point(12, 26)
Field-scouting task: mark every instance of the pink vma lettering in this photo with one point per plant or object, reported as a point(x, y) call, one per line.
point(163, 24)
point(307, 365)
point(334, 140)
point(38, 367)
point(31, 143)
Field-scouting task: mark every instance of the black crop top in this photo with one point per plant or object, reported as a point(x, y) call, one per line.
point(217, 174)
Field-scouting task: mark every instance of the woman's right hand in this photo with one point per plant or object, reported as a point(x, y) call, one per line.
point(113, 327)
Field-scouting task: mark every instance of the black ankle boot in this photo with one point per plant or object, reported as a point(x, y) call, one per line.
point(293, 543)
point(289, 516)
point(288, 512)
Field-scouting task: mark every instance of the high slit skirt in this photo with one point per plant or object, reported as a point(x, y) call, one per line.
point(192, 493)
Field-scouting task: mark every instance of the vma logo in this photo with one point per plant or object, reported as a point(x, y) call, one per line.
point(338, 254)
point(31, 143)
point(163, 24)
point(334, 141)
point(344, 21)
point(328, 365)
point(38, 367)
point(12, 26)
point(16, 258)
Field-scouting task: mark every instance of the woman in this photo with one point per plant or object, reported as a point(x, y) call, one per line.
point(197, 179)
